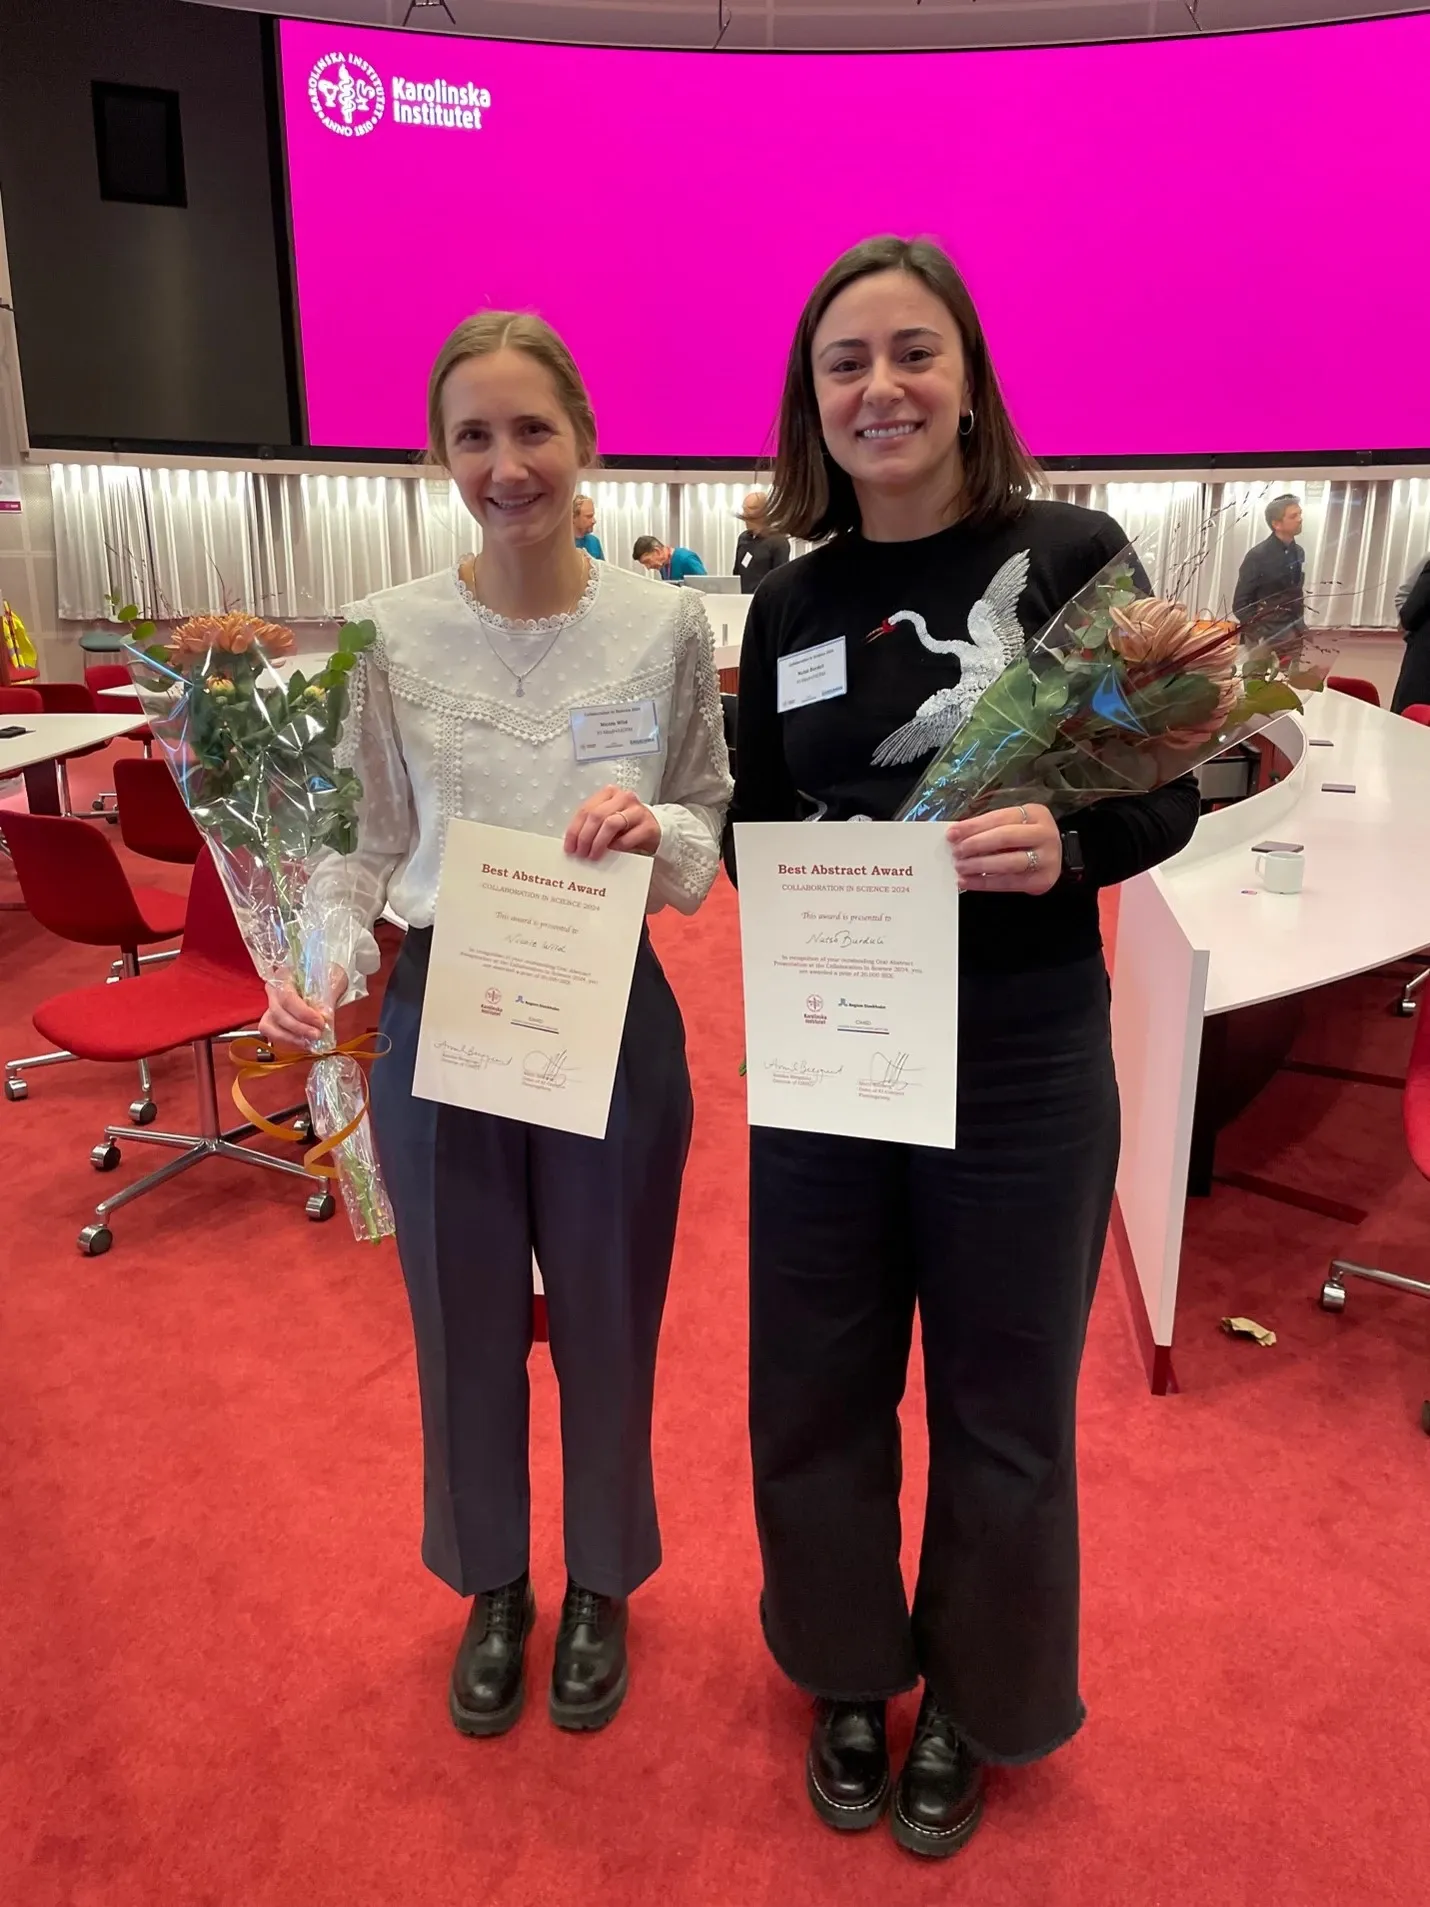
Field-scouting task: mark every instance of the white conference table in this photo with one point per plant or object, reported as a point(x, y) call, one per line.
point(1199, 937)
point(46, 739)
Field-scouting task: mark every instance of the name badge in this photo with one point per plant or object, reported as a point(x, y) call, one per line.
point(811, 675)
point(745, 559)
point(613, 732)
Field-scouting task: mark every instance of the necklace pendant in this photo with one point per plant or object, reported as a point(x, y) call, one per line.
point(520, 687)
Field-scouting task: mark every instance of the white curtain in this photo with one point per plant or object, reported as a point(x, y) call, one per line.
point(625, 511)
point(1165, 520)
point(328, 540)
point(102, 539)
point(299, 547)
point(204, 540)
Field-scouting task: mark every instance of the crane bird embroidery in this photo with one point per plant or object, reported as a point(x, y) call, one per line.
point(997, 639)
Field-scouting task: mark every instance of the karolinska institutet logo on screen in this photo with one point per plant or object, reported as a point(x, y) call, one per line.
point(347, 94)
point(350, 99)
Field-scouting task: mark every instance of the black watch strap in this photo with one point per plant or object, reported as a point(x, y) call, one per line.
point(1074, 868)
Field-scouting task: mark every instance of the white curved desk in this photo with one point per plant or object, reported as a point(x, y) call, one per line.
point(1199, 936)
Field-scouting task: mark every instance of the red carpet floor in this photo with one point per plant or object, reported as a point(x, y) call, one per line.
point(225, 1666)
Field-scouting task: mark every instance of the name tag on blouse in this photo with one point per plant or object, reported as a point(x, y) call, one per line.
point(615, 731)
point(811, 675)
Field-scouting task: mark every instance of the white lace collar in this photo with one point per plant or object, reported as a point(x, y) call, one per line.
point(531, 625)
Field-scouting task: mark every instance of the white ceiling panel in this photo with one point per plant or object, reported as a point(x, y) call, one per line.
point(812, 25)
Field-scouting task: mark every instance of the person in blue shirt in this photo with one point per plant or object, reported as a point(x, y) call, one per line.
point(673, 565)
point(583, 528)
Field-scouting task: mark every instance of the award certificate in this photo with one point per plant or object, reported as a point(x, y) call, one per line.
point(849, 935)
point(530, 975)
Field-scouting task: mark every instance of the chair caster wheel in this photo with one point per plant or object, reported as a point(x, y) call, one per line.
point(320, 1206)
point(1404, 1009)
point(143, 1112)
point(95, 1240)
point(97, 805)
point(17, 1089)
point(1333, 1297)
point(105, 1156)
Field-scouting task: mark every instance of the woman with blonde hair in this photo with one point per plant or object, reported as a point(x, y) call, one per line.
point(465, 707)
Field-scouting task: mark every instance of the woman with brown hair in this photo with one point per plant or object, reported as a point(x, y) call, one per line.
point(466, 707)
point(896, 447)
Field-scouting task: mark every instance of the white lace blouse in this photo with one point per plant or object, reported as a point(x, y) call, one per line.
point(457, 711)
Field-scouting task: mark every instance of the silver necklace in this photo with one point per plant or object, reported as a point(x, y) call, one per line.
point(486, 618)
point(519, 675)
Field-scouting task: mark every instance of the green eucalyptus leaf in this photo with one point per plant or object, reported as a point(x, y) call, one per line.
point(129, 613)
point(354, 637)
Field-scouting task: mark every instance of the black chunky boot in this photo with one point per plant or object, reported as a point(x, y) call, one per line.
point(589, 1677)
point(939, 1800)
point(486, 1692)
point(847, 1768)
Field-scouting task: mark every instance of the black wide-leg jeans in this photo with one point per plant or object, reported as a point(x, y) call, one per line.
point(998, 1245)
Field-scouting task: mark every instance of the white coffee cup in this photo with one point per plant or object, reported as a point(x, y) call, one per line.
point(1280, 871)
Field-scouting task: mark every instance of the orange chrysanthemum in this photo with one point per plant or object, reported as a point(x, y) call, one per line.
point(235, 634)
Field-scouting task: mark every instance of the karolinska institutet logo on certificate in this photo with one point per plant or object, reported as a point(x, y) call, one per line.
point(347, 94)
point(350, 99)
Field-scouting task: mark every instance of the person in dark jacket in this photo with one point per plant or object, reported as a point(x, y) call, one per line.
point(1413, 683)
point(759, 549)
point(895, 445)
point(1270, 598)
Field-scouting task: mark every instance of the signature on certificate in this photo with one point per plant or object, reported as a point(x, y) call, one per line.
point(462, 1053)
point(890, 1074)
point(547, 1070)
point(841, 937)
point(799, 1072)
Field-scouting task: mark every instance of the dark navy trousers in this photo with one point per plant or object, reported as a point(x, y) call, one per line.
point(474, 1197)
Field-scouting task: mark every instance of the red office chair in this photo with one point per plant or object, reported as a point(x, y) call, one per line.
point(72, 882)
point(1418, 712)
point(1416, 1109)
point(113, 675)
point(1357, 686)
point(208, 991)
point(74, 698)
point(152, 817)
point(15, 702)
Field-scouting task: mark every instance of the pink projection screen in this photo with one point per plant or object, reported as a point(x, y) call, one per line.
point(1180, 249)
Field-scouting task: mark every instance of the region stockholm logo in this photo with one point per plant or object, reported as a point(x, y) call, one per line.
point(347, 94)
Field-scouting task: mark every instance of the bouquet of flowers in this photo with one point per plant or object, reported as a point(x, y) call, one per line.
point(1123, 691)
point(253, 754)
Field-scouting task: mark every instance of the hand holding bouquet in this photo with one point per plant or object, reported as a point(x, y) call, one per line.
point(254, 758)
point(1122, 692)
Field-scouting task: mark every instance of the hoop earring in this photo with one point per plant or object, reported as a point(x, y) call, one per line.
point(965, 425)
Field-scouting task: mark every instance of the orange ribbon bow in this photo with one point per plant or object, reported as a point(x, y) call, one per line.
point(256, 1058)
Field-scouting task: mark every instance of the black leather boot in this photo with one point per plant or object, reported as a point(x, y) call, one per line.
point(589, 1677)
point(486, 1691)
point(939, 1800)
point(847, 1768)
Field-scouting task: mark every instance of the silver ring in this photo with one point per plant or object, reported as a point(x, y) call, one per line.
point(1023, 812)
point(984, 875)
point(1032, 860)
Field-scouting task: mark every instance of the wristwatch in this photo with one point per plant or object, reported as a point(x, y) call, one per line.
point(1074, 870)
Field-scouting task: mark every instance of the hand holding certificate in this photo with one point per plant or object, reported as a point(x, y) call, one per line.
point(849, 933)
point(532, 955)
